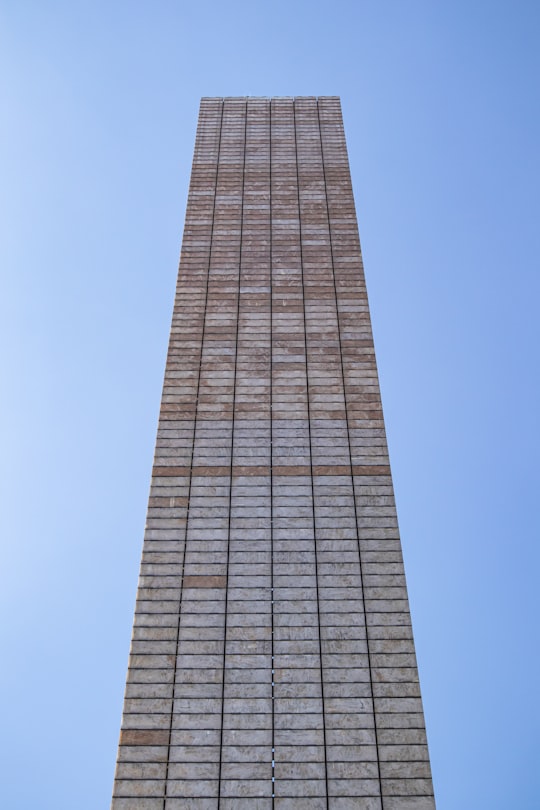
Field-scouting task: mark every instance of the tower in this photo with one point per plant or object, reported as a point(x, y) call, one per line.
point(272, 661)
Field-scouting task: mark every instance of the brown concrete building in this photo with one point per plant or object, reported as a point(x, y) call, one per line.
point(272, 662)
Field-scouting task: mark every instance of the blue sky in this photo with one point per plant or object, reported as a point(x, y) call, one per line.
point(99, 105)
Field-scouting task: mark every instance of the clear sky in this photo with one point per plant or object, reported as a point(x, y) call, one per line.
point(98, 106)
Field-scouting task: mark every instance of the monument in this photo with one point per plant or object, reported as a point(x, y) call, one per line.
point(272, 664)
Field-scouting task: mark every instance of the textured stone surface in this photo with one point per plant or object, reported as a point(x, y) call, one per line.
point(272, 662)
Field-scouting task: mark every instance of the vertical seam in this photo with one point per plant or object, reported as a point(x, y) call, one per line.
point(191, 460)
point(232, 462)
point(311, 460)
point(271, 458)
point(350, 458)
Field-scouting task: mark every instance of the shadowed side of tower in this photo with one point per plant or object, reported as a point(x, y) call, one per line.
point(272, 662)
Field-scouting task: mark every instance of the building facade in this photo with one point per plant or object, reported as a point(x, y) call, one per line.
point(272, 664)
